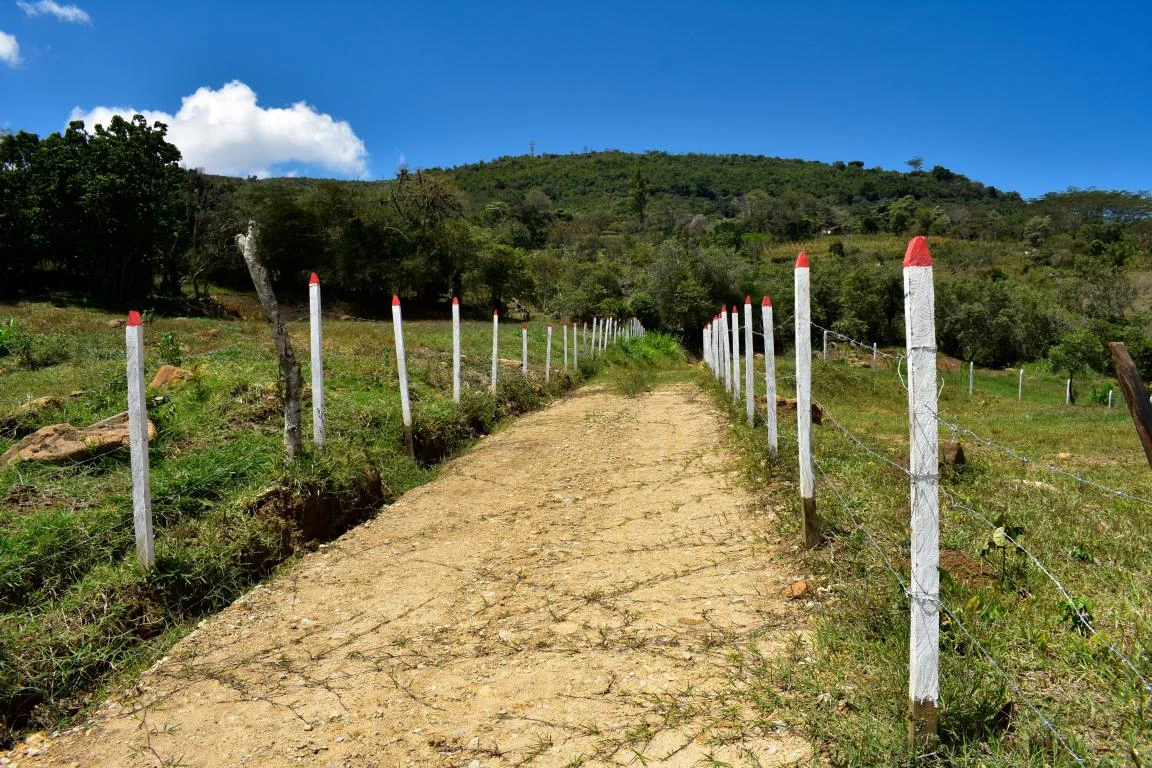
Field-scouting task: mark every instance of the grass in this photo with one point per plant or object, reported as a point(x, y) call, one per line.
point(846, 688)
point(76, 612)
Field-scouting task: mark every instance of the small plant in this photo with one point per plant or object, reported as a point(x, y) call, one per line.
point(1004, 538)
point(1078, 615)
point(7, 336)
point(169, 349)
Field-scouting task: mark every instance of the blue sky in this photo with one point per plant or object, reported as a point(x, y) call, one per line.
point(1032, 97)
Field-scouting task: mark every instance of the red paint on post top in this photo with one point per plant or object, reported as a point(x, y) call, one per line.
point(747, 299)
point(917, 254)
point(455, 300)
point(133, 317)
point(802, 260)
point(314, 280)
point(766, 301)
point(495, 313)
point(524, 326)
point(395, 300)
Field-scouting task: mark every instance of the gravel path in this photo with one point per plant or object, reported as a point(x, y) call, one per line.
point(571, 592)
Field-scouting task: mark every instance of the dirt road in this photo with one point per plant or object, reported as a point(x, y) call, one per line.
point(571, 592)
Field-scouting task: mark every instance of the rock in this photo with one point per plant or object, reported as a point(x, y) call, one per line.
point(789, 404)
point(64, 442)
point(951, 454)
point(799, 590)
point(28, 412)
point(169, 374)
point(115, 323)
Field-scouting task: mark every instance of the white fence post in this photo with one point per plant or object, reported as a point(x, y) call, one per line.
point(875, 350)
point(319, 424)
point(548, 357)
point(402, 369)
point(825, 345)
point(564, 329)
point(769, 372)
point(735, 354)
point(749, 393)
point(1020, 387)
point(924, 590)
point(524, 348)
point(706, 350)
point(808, 523)
point(971, 377)
point(495, 345)
point(725, 357)
point(456, 349)
point(1068, 393)
point(1110, 397)
point(138, 441)
point(575, 348)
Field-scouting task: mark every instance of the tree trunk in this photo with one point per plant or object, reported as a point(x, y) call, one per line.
point(289, 366)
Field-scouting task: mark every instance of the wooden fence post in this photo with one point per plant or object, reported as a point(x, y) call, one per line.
point(524, 348)
point(456, 349)
point(1134, 394)
point(289, 365)
point(735, 354)
point(769, 373)
point(809, 525)
point(924, 589)
point(319, 425)
point(138, 442)
point(495, 345)
point(402, 370)
point(749, 394)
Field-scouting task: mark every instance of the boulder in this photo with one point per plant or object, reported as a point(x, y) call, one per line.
point(169, 374)
point(64, 442)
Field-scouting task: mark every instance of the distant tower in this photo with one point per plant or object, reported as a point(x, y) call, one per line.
point(532, 149)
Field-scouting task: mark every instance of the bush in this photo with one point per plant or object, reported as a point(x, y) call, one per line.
point(439, 429)
point(516, 395)
point(479, 410)
point(32, 351)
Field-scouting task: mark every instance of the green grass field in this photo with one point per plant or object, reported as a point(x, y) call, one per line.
point(75, 610)
point(847, 679)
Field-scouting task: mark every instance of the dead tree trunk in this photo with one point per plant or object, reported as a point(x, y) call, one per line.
point(1134, 394)
point(289, 366)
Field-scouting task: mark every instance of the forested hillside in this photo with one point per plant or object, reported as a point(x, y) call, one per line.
point(108, 216)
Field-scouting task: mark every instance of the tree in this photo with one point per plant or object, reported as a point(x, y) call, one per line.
point(1078, 351)
point(638, 194)
point(915, 163)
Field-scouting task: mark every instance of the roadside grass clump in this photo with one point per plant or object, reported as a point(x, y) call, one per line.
point(635, 364)
point(1063, 680)
point(76, 611)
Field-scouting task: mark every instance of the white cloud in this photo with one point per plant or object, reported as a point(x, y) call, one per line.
point(69, 13)
point(224, 131)
point(9, 49)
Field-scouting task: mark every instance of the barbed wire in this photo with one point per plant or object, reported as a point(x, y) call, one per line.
point(1081, 619)
point(854, 342)
point(955, 619)
point(958, 429)
point(956, 503)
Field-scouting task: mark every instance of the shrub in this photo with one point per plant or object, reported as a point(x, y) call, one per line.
point(516, 395)
point(439, 429)
point(479, 410)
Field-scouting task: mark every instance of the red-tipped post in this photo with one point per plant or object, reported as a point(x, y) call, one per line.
point(314, 280)
point(802, 260)
point(134, 318)
point(766, 301)
point(917, 254)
